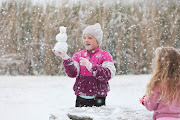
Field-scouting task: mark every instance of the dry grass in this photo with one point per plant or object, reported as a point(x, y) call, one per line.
point(131, 34)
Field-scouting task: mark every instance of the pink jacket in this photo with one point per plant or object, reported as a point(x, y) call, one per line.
point(161, 108)
point(94, 82)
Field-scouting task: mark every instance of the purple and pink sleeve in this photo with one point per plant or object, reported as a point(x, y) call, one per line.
point(70, 68)
point(103, 72)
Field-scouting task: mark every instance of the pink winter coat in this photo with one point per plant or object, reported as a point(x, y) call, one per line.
point(161, 108)
point(94, 82)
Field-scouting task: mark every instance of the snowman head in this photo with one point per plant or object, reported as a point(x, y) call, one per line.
point(62, 29)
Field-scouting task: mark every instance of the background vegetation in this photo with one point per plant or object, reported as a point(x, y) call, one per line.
point(131, 33)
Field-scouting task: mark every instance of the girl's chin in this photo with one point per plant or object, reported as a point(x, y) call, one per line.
point(88, 48)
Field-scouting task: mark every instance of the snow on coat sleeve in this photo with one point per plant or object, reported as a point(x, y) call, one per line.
point(105, 71)
point(70, 68)
point(152, 102)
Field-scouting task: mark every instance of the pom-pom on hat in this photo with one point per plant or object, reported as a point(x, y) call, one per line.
point(94, 30)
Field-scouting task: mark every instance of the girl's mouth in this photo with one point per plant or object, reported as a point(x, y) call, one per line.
point(87, 44)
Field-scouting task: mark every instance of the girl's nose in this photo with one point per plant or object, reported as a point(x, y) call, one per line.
point(85, 39)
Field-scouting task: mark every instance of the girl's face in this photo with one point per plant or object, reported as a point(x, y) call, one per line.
point(90, 42)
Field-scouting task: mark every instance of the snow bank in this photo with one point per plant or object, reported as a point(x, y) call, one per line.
point(103, 113)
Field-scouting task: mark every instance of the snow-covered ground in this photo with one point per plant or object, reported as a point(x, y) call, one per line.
point(37, 97)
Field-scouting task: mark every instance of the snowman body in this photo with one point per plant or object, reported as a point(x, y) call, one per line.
point(61, 45)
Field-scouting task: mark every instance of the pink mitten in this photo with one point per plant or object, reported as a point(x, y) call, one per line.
point(142, 100)
point(64, 56)
point(85, 62)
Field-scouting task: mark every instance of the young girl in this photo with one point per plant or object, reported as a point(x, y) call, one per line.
point(93, 68)
point(163, 91)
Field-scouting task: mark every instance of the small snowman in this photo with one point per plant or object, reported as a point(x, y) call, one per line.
point(61, 45)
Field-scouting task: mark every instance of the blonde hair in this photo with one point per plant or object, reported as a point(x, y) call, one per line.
point(166, 74)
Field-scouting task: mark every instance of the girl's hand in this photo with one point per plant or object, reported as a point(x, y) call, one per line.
point(85, 62)
point(64, 56)
point(142, 100)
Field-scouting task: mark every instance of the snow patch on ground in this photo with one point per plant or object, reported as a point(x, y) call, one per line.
point(37, 97)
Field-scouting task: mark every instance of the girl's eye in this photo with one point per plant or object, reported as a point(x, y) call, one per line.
point(90, 37)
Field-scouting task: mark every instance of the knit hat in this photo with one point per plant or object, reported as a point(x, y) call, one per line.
point(94, 30)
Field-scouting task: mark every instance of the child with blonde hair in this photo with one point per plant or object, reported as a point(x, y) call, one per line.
point(163, 90)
